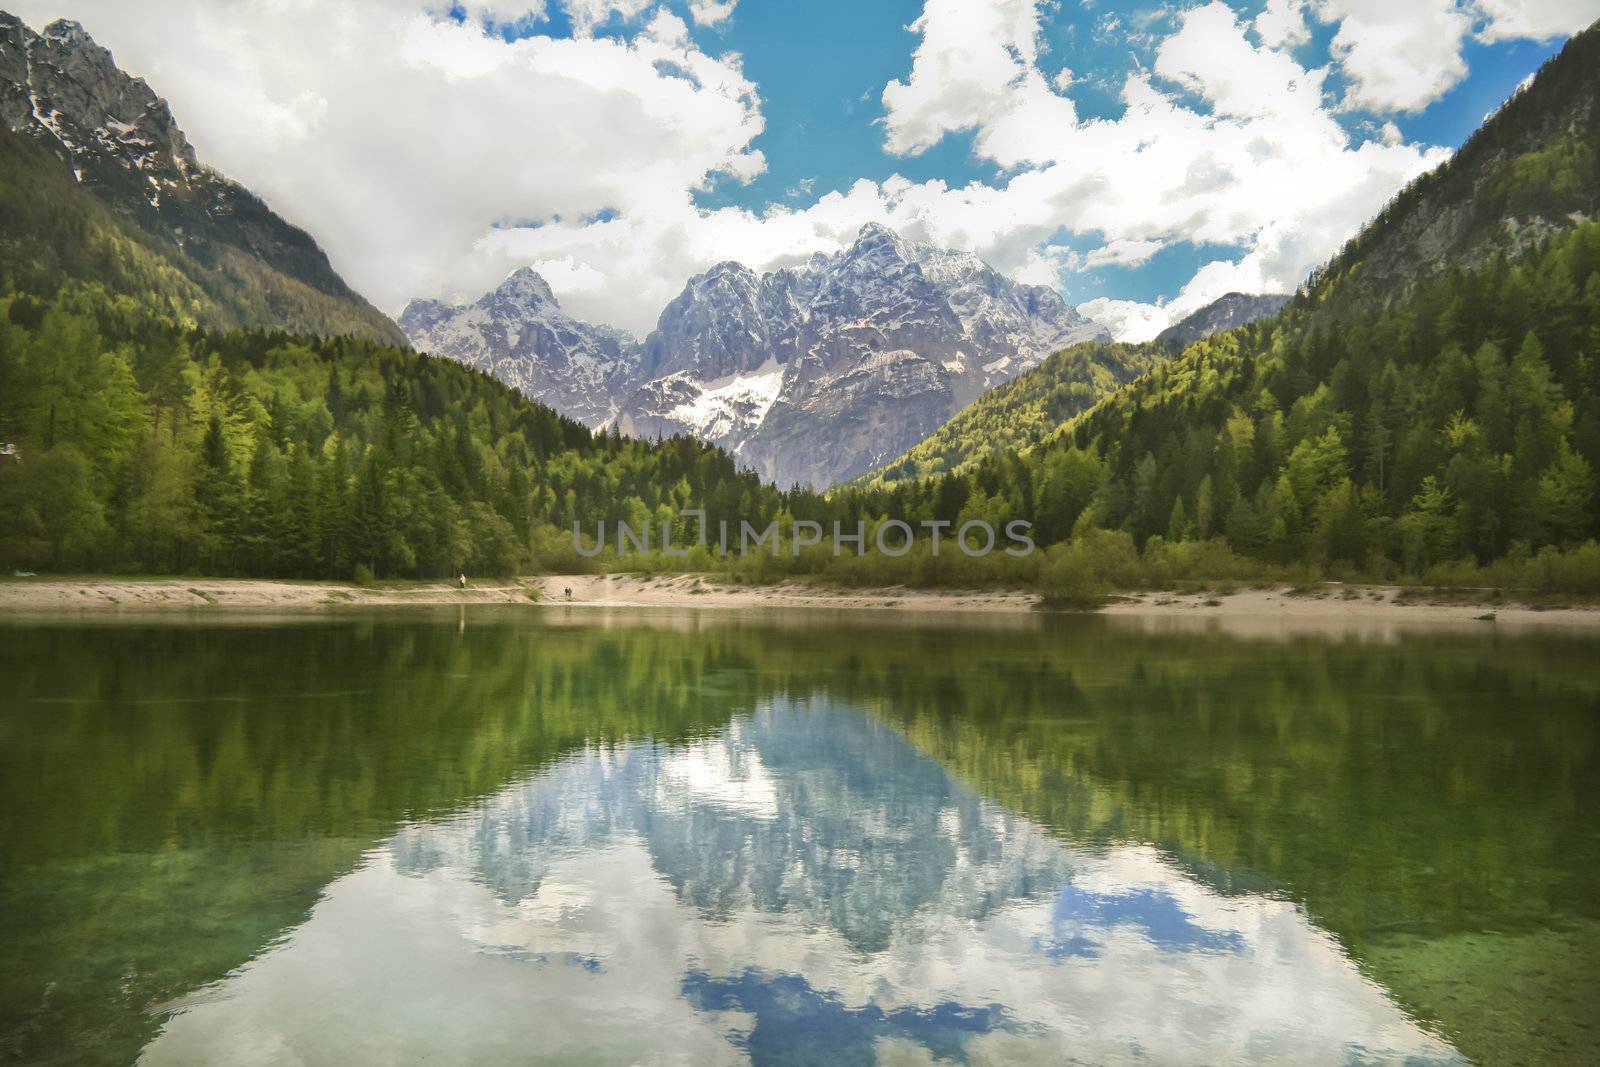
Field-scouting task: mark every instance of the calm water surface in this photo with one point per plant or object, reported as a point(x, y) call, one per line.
point(505, 836)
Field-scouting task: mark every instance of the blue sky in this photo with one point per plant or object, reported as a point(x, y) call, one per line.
point(1143, 158)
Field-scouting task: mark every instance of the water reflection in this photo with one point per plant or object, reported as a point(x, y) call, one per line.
point(801, 885)
point(179, 797)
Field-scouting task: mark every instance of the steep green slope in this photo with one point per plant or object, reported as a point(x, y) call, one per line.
point(1464, 422)
point(56, 230)
point(1531, 171)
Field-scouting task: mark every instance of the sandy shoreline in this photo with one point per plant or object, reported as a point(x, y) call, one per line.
point(1260, 607)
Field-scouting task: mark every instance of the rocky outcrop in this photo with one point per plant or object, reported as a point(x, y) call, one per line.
point(1221, 315)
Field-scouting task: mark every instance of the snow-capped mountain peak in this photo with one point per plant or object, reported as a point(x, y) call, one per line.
point(523, 287)
point(519, 333)
point(714, 328)
point(876, 244)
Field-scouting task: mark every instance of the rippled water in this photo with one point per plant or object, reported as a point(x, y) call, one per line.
point(511, 836)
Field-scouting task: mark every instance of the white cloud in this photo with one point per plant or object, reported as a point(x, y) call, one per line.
point(1538, 19)
point(1402, 56)
point(975, 61)
point(1210, 56)
point(588, 14)
point(711, 12)
point(1129, 320)
point(1123, 253)
point(1399, 56)
point(1261, 165)
point(514, 11)
point(1282, 24)
point(569, 276)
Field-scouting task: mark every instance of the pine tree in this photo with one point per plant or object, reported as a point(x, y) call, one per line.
point(1566, 497)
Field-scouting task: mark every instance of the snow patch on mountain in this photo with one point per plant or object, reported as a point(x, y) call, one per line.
point(728, 404)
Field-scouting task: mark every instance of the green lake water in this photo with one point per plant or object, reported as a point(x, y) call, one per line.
point(535, 835)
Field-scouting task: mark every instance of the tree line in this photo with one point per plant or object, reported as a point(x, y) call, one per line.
point(136, 444)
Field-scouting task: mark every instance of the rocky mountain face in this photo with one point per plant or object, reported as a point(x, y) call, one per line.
point(811, 374)
point(63, 91)
point(1221, 315)
point(818, 373)
point(518, 333)
point(1529, 173)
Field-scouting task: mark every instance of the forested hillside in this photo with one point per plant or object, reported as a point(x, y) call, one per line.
point(1023, 411)
point(133, 443)
point(1464, 423)
point(1462, 426)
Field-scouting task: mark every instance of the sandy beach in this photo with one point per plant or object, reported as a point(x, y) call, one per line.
point(1251, 608)
point(577, 591)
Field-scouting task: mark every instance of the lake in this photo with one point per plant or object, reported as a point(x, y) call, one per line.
point(533, 834)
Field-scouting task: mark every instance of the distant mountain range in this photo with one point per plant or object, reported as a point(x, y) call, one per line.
point(152, 220)
point(810, 374)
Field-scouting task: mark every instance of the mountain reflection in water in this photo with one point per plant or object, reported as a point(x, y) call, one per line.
point(803, 885)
